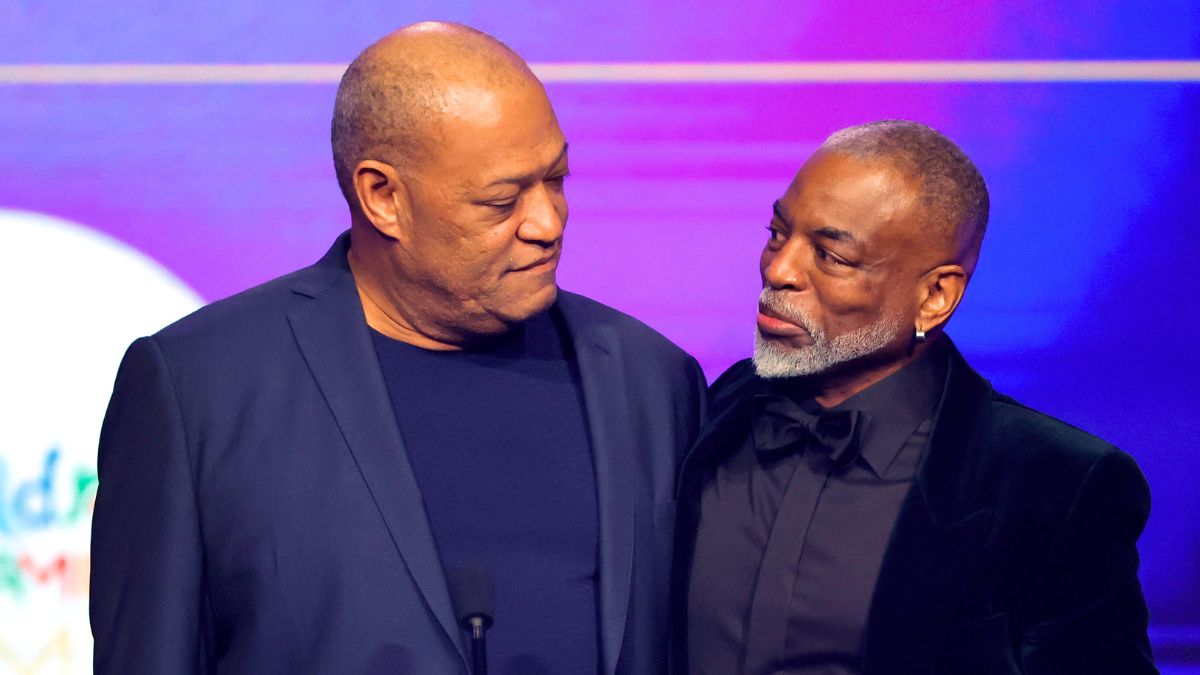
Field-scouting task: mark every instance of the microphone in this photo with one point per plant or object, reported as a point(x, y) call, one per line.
point(472, 593)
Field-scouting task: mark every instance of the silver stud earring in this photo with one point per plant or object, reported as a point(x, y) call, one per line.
point(919, 335)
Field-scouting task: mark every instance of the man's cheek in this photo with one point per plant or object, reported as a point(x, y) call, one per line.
point(843, 302)
point(844, 319)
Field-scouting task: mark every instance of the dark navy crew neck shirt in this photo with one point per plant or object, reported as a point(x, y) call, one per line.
point(497, 438)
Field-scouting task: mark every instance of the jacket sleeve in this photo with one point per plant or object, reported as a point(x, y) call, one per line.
point(1089, 615)
point(147, 585)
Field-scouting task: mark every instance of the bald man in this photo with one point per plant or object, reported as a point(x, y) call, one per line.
point(324, 474)
point(862, 502)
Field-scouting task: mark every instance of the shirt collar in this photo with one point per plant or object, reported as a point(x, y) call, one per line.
point(893, 407)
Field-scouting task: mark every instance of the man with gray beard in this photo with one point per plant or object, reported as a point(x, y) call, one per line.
point(861, 500)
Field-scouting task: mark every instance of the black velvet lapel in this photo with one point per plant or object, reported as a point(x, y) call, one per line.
point(933, 549)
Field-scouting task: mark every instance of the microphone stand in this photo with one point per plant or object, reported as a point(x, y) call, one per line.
point(478, 625)
point(473, 596)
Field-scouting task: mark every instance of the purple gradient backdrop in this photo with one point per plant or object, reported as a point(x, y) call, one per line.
point(1082, 305)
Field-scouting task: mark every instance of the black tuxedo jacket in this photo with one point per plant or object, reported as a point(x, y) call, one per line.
point(1014, 551)
point(257, 513)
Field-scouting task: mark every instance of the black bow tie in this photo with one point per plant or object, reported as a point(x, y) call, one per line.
point(780, 424)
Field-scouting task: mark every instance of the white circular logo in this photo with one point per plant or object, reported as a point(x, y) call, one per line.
point(71, 301)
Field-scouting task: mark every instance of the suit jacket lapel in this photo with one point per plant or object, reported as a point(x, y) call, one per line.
point(333, 337)
point(728, 420)
point(938, 534)
point(597, 353)
point(721, 435)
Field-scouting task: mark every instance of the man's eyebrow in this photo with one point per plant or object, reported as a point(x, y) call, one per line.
point(778, 208)
point(526, 178)
point(834, 233)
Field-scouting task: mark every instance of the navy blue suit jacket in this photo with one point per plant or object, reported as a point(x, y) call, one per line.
point(257, 514)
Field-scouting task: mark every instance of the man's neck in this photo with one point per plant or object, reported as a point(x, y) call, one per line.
point(385, 318)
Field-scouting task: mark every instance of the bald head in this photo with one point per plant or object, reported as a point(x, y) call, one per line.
point(394, 95)
point(953, 196)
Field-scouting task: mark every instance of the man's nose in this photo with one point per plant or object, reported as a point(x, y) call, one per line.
point(545, 217)
point(785, 269)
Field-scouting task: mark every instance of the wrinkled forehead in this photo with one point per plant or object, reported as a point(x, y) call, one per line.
point(858, 191)
point(484, 134)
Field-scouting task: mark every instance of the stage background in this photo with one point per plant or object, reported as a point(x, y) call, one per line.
point(125, 204)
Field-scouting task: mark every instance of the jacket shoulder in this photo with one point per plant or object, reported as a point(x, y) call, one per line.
point(237, 317)
point(1020, 428)
point(728, 389)
point(631, 332)
point(1056, 465)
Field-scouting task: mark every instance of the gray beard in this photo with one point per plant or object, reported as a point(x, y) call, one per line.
point(774, 360)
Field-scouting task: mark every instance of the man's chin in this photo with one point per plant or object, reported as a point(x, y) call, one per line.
point(527, 306)
point(541, 300)
point(775, 358)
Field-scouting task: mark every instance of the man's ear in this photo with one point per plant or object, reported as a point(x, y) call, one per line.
point(938, 294)
point(382, 198)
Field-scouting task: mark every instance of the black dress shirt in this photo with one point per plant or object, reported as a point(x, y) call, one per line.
point(790, 543)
